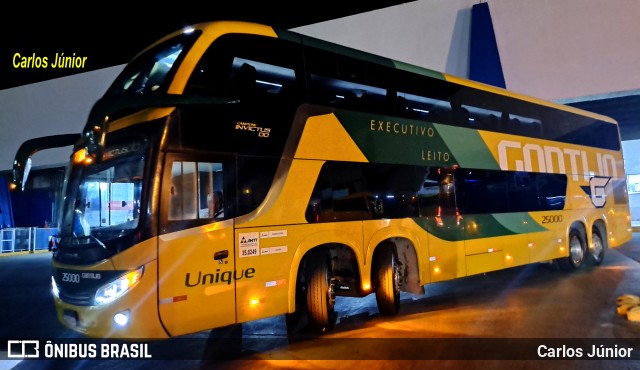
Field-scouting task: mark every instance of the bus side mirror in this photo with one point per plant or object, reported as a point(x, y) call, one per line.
point(22, 161)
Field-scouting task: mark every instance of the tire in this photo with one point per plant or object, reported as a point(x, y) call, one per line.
point(297, 322)
point(387, 281)
point(320, 294)
point(596, 248)
point(577, 252)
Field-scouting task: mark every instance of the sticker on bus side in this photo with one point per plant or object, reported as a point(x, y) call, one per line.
point(273, 234)
point(273, 250)
point(248, 245)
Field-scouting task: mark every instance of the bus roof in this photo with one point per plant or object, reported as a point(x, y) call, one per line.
point(229, 26)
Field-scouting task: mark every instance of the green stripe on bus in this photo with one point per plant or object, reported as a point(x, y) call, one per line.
point(519, 223)
point(467, 147)
point(386, 139)
point(472, 227)
point(419, 70)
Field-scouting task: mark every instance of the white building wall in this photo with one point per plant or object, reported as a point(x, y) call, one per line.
point(58, 106)
point(550, 49)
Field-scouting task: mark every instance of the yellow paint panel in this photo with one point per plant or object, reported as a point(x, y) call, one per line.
point(485, 262)
point(145, 115)
point(325, 138)
point(551, 244)
point(197, 292)
point(446, 259)
point(210, 32)
point(496, 243)
point(288, 198)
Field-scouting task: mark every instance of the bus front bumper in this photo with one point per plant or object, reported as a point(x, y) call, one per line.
point(133, 315)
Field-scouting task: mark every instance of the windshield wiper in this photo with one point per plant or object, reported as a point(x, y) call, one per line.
point(92, 237)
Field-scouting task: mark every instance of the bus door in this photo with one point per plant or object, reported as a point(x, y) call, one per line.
point(196, 285)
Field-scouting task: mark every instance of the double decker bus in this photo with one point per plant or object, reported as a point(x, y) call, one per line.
point(234, 171)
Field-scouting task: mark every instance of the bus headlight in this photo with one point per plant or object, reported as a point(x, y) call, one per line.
point(115, 289)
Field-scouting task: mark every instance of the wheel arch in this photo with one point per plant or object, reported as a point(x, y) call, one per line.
point(601, 226)
point(580, 225)
point(314, 243)
point(407, 256)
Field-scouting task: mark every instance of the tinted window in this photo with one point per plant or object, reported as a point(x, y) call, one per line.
point(348, 83)
point(361, 191)
point(249, 67)
point(262, 75)
point(255, 176)
point(552, 191)
point(439, 101)
point(486, 191)
point(480, 191)
point(152, 71)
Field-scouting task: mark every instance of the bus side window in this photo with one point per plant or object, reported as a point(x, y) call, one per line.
point(248, 67)
point(348, 83)
point(523, 192)
point(196, 191)
point(482, 191)
point(255, 176)
point(552, 190)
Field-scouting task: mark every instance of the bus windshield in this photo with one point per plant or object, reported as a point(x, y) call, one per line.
point(107, 202)
point(148, 72)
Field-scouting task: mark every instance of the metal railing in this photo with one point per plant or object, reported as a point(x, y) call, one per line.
point(23, 239)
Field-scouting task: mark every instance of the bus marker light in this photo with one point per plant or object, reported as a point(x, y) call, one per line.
point(121, 318)
point(255, 301)
point(508, 257)
point(54, 288)
point(81, 156)
point(366, 287)
point(436, 270)
point(178, 298)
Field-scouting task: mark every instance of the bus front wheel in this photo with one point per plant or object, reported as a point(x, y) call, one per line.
point(387, 281)
point(320, 294)
point(577, 251)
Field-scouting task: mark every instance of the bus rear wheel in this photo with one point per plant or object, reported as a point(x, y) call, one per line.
point(577, 252)
point(320, 294)
point(596, 249)
point(387, 281)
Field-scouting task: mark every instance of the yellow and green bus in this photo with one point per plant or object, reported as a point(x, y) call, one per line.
point(235, 171)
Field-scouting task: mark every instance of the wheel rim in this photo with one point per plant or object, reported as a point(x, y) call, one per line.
point(396, 276)
point(331, 294)
point(575, 248)
point(597, 247)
